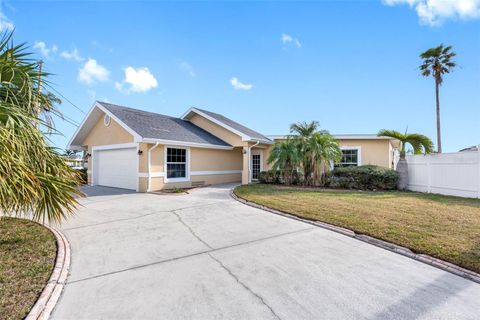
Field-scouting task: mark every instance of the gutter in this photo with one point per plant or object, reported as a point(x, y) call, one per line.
point(250, 162)
point(149, 166)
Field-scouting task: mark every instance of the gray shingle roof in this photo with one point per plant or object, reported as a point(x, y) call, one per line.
point(158, 126)
point(235, 125)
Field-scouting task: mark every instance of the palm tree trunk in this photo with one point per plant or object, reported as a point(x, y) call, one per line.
point(439, 138)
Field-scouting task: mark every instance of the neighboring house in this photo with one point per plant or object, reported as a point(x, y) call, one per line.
point(145, 151)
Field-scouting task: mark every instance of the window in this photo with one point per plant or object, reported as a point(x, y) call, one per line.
point(350, 158)
point(106, 120)
point(176, 163)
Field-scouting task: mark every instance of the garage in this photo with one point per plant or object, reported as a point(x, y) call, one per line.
point(116, 168)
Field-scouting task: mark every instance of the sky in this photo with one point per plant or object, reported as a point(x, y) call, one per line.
point(350, 65)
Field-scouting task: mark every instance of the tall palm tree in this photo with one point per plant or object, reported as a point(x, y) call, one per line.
point(34, 179)
point(285, 157)
point(436, 62)
point(420, 144)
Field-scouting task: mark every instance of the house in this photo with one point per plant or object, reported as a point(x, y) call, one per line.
point(144, 151)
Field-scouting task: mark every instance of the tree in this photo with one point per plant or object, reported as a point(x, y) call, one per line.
point(420, 144)
point(285, 157)
point(436, 62)
point(317, 149)
point(302, 133)
point(323, 151)
point(34, 178)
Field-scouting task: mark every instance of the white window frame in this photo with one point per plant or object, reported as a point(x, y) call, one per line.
point(359, 152)
point(187, 164)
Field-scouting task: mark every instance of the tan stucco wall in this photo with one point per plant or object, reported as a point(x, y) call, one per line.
point(376, 152)
point(202, 159)
point(101, 135)
point(218, 131)
point(218, 178)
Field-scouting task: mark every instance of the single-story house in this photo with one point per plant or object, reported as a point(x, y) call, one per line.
point(144, 151)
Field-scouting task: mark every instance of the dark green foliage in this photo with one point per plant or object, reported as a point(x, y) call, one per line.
point(277, 177)
point(367, 177)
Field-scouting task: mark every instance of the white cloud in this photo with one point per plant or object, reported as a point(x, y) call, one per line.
point(434, 12)
point(288, 39)
point(187, 68)
point(44, 49)
point(72, 55)
point(5, 23)
point(138, 79)
point(237, 85)
point(92, 72)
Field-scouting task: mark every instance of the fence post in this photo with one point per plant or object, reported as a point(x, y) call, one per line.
point(429, 174)
point(478, 173)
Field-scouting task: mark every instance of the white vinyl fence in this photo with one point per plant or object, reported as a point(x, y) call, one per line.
point(456, 174)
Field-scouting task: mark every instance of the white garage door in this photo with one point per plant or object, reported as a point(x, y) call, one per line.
point(116, 168)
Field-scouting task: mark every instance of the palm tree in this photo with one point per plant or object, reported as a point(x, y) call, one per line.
point(302, 132)
point(285, 157)
point(436, 62)
point(34, 178)
point(317, 149)
point(323, 150)
point(420, 144)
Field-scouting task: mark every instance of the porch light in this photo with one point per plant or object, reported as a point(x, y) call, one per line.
point(140, 152)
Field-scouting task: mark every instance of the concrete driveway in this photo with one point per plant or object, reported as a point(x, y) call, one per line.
point(207, 256)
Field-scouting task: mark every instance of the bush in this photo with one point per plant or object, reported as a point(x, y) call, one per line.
point(363, 178)
point(276, 177)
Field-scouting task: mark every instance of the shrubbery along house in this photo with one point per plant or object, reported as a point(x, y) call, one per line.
point(144, 151)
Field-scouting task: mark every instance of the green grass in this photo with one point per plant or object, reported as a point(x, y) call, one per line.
point(441, 226)
point(27, 257)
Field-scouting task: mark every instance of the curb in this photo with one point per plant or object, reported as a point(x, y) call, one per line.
point(51, 293)
point(437, 263)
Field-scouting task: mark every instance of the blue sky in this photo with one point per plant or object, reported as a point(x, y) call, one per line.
point(351, 65)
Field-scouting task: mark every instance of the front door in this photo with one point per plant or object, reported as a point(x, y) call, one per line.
point(256, 164)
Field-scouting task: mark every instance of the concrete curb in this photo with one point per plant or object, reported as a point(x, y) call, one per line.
point(51, 293)
point(440, 264)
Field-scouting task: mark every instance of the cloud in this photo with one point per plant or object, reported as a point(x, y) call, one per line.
point(138, 79)
point(187, 68)
point(5, 23)
point(288, 39)
point(44, 49)
point(92, 72)
point(435, 12)
point(72, 55)
point(237, 85)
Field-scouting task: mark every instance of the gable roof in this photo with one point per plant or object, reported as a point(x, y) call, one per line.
point(148, 127)
point(247, 134)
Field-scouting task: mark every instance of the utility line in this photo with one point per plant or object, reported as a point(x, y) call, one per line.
point(66, 99)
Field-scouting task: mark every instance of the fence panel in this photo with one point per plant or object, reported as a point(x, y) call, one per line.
point(456, 174)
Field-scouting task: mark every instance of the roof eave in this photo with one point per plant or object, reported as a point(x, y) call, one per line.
point(186, 144)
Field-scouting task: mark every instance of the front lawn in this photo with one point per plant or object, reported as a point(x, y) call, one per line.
point(441, 226)
point(27, 258)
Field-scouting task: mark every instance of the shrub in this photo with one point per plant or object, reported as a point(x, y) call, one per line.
point(276, 177)
point(367, 177)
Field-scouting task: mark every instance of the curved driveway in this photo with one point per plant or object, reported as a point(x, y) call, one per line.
point(207, 256)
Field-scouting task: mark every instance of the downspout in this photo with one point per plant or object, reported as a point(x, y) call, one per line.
point(250, 161)
point(149, 166)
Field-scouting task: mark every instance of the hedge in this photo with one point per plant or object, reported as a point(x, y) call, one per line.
point(367, 177)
